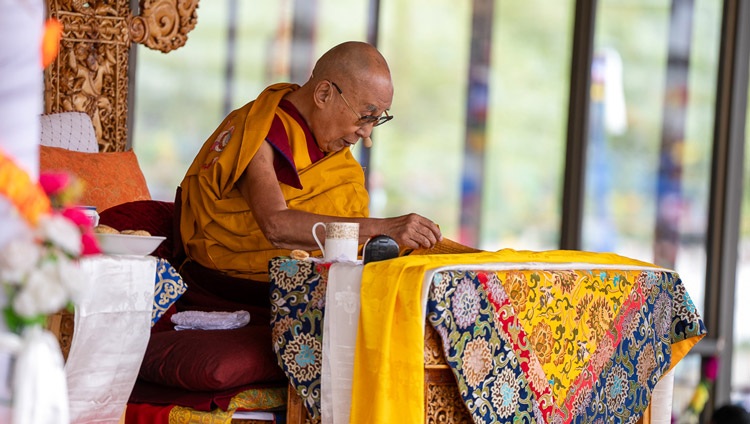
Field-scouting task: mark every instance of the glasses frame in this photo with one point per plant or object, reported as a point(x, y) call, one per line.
point(363, 120)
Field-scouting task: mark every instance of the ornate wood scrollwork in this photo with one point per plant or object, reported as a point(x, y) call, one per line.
point(433, 347)
point(164, 24)
point(90, 73)
point(443, 403)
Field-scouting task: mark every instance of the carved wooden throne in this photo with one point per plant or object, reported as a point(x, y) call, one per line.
point(91, 72)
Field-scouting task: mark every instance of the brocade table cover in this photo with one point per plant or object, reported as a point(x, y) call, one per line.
point(531, 341)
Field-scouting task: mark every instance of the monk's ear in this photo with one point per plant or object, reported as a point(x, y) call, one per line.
point(323, 93)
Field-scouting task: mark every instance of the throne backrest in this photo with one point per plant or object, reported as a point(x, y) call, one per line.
point(70, 131)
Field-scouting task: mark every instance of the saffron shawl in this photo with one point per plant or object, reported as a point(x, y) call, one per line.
point(217, 227)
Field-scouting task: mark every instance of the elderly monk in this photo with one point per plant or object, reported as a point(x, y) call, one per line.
point(282, 162)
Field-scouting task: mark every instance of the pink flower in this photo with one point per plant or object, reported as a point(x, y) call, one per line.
point(77, 216)
point(54, 183)
point(90, 244)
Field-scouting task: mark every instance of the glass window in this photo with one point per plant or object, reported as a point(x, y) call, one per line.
point(741, 345)
point(529, 86)
point(650, 138)
point(416, 163)
point(180, 95)
point(416, 158)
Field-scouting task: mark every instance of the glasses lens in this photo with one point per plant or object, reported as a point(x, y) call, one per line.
point(375, 120)
point(383, 119)
point(367, 120)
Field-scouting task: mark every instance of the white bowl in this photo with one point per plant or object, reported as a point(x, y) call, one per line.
point(127, 244)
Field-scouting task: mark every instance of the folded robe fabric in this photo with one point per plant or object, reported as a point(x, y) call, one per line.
point(217, 227)
point(201, 320)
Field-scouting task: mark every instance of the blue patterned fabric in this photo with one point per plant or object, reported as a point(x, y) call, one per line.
point(168, 288)
point(297, 306)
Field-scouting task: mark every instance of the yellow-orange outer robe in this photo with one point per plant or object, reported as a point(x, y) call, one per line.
point(218, 229)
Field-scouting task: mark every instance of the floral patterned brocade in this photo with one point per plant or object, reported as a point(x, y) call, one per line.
point(527, 342)
point(297, 306)
point(542, 346)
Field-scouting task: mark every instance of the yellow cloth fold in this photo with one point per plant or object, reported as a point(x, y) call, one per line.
point(388, 382)
point(217, 227)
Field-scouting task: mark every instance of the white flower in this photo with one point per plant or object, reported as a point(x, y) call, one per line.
point(17, 258)
point(72, 278)
point(61, 232)
point(42, 293)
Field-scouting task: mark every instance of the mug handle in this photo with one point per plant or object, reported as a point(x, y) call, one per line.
point(315, 236)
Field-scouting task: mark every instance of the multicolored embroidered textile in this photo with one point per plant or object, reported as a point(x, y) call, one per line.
point(560, 345)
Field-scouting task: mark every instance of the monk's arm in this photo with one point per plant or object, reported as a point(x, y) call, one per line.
point(291, 229)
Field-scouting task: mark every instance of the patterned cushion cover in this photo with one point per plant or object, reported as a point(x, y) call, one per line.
point(109, 178)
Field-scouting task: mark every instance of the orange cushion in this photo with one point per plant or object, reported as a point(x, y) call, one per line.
point(109, 178)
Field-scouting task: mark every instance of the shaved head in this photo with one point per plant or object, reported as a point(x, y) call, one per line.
point(353, 62)
point(349, 82)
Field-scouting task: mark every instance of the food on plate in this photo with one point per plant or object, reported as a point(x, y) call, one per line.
point(105, 229)
point(136, 233)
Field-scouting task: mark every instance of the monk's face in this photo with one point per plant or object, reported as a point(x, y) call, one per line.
point(352, 112)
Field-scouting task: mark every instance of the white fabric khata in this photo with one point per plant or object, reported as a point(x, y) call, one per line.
point(339, 339)
point(201, 320)
point(112, 328)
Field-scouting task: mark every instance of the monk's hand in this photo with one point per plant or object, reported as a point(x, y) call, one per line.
point(414, 231)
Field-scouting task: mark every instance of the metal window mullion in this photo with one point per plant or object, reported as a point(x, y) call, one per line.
point(373, 33)
point(726, 188)
point(578, 117)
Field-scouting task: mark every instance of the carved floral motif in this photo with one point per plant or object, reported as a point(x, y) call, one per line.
point(164, 24)
point(443, 405)
point(90, 73)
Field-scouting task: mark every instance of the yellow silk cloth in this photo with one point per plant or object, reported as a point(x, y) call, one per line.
point(388, 379)
point(266, 399)
point(217, 227)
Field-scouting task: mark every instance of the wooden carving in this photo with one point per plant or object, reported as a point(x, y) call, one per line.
point(433, 348)
point(90, 73)
point(164, 24)
point(61, 325)
point(444, 405)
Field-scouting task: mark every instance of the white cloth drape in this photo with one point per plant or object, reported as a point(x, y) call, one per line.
point(112, 328)
point(339, 340)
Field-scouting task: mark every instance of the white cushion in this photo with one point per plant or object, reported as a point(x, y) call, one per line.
point(69, 130)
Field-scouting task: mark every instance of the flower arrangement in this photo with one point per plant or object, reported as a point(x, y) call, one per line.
point(39, 272)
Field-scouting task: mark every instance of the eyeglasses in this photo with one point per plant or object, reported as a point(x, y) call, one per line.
point(363, 120)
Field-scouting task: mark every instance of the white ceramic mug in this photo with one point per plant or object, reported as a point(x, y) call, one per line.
point(342, 240)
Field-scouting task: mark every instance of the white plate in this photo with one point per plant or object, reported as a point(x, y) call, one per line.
point(127, 244)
